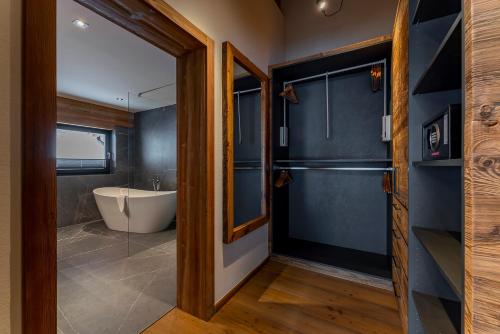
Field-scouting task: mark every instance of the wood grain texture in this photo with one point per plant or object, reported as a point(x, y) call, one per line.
point(181, 22)
point(39, 200)
point(401, 283)
point(286, 299)
point(400, 97)
point(234, 290)
point(400, 105)
point(400, 218)
point(482, 166)
point(195, 212)
point(400, 250)
point(70, 111)
point(230, 55)
point(347, 48)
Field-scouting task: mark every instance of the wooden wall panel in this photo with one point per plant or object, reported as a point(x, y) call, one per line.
point(482, 166)
point(400, 105)
point(75, 112)
point(399, 79)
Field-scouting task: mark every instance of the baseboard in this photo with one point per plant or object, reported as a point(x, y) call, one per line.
point(232, 292)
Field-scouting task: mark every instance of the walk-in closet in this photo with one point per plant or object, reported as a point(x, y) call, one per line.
point(331, 157)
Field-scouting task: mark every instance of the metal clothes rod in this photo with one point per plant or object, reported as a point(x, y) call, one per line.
point(347, 69)
point(239, 120)
point(246, 161)
point(247, 168)
point(338, 161)
point(388, 169)
point(246, 91)
point(385, 87)
point(238, 93)
point(327, 75)
point(327, 109)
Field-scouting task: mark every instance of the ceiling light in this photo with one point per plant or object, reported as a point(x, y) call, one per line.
point(80, 24)
point(324, 4)
point(321, 4)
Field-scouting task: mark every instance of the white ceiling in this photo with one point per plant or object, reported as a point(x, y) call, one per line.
point(106, 63)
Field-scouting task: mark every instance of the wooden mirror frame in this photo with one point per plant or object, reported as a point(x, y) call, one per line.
point(230, 55)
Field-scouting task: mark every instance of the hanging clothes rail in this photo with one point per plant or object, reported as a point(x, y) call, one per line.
point(238, 93)
point(336, 161)
point(247, 168)
point(382, 169)
point(246, 161)
point(246, 91)
point(326, 75)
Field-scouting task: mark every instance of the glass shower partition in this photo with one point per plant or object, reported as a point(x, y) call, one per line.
point(153, 170)
point(152, 145)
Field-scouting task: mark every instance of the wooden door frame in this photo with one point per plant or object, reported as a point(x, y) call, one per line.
point(159, 24)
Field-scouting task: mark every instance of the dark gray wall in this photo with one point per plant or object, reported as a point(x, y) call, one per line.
point(75, 200)
point(355, 119)
point(156, 148)
point(346, 209)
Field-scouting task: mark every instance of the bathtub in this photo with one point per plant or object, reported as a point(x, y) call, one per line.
point(137, 211)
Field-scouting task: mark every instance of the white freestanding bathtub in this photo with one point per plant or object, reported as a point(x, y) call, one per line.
point(137, 211)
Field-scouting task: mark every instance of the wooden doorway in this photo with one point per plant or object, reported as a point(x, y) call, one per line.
point(159, 24)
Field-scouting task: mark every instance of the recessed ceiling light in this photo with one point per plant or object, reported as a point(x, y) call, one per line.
point(80, 24)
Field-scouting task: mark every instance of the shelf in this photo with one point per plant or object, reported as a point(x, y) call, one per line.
point(435, 313)
point(439, 163)
point(433, 9)
point(446, 251)
point(445, 69)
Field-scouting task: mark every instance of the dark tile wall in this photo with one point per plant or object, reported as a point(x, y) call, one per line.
point(156, 148)
point(75, 200)
point(140, 154)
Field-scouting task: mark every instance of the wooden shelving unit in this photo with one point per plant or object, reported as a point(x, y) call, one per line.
point(444, 71)
point(439, 163)
point(434, 314)
point(433, 9)
point(446, 251)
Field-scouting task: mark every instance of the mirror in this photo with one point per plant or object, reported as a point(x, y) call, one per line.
point(246, 139)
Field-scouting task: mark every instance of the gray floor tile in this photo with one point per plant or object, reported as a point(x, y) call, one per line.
point(112, 282)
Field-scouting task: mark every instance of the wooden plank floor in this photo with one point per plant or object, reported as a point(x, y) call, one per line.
point(285, 299)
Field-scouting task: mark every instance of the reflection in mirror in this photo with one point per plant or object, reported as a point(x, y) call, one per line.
point(246, 142)
point(247, 185)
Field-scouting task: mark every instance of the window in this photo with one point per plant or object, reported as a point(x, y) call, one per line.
point(82, 150)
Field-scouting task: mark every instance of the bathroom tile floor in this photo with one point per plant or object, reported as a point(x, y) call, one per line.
point(113, 282)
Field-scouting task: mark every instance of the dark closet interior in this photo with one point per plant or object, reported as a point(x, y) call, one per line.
point(335, 210)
